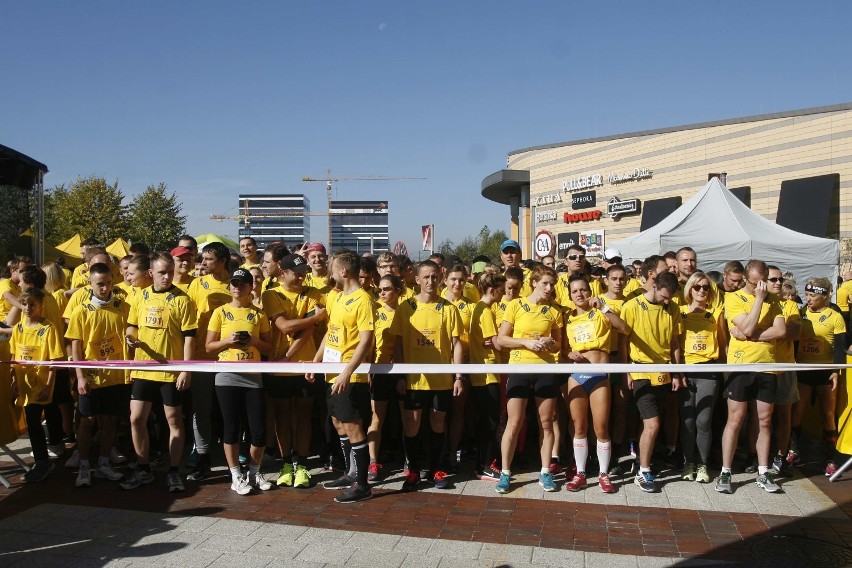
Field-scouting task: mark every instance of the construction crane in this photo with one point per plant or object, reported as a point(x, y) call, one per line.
point(329, 188)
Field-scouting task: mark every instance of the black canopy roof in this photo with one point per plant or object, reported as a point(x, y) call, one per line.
point(18, 169)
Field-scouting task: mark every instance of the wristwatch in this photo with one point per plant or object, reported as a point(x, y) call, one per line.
point(605, 309)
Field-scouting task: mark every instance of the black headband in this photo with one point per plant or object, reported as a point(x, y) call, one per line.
point(816, 289)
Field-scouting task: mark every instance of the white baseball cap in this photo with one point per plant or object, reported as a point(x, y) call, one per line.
point(609, 254)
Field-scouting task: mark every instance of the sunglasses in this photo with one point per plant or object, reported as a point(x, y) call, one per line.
point(703, 287)
point(614, 260)
point(775, 279)
point(576, 257)
point(387, 289)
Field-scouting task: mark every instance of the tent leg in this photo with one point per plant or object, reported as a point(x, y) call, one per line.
point(840, 471)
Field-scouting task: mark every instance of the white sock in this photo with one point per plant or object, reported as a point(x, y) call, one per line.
point(604, 455)
point(581, 454)
point(762, 469)
point(545, 470)
point(236, 475)
point(644, 470)
point(505, 472)
point(726, 470)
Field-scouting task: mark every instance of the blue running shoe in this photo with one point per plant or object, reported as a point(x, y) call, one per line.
point(503, 485)
point(546, 482)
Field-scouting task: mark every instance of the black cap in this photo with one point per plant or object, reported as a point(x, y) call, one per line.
point(295, 263)
point(242, 276)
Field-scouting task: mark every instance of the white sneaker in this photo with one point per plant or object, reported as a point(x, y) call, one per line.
point(55, 451)
point(74, 461)
point(117, 457)
point(84, 476)
point(241, 486)
point(259, 483)
point(105, 471)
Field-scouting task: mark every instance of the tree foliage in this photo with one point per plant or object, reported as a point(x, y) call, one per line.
point(15, 213)
point(89, 206)
point(487, 243)
point(155, 218)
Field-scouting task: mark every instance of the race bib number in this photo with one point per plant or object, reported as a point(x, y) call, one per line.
point(330, 355)
point(583, 333)
point(334, 336)
point(426, 339)
point(810, 346)
point(154, 317)
point(699, 343)
point(657, 379)
point(107, 348)
point(26, 353)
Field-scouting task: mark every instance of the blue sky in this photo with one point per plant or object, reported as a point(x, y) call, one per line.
point(221, 98)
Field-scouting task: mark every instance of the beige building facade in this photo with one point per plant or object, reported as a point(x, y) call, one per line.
point(604, 189)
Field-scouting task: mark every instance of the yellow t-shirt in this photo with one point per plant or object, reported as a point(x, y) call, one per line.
point(61, 301)
point(351, 315)
point(85, 294)
point(632, 284)
point(530, 321)
point(483, 325)
point(227, 319)
point(249, 265)
point(784, 348)
point(588, 331)
point(739, 351)
point(164, 319)
point(385, 340)
point(652, 327)
point(6, 285)
point(844, 291)
point(816, 344)
point(184, 285)
point(207, 294)
point(701, 339)
point(100, 331)
point(465, 307)
point(471, 292)
point(41, 342)
point(615, 305)
point(318, 282)
point(80, 276)
point(426, 332)
point(499, 309)
point(278, 302)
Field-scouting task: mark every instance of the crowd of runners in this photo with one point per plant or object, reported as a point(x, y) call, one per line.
point(297, 304)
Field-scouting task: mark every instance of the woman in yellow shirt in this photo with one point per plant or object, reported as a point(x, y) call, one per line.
point(588, 328)
point(532, 332)
point(823, 340)
point(382, 387)
point(239, 331)
point(705, 341)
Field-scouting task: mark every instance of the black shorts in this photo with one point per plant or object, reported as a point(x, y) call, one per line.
point(108, 401)
point(818, 378)
point(543, 385)
point(437, 400)
point(383, 387)
point(744, 387)
point(62, 387)
point(649, 399)
point(151, 391)
point(352, 405)
point(292, 386)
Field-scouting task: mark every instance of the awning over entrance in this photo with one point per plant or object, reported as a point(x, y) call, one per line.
point(502, 186)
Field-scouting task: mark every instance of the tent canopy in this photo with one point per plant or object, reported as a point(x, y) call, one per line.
point(722, 228)
point(207, 238)
point(24, 245)
point(119, 248)
point(72, 245)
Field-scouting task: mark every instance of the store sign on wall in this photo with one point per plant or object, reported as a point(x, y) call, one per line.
point(584, 216)
point(593, 242)
point(635, 175)
point(543, 244)
point(616, 207)
point(584, 200)
point(565, 240)
point(596, 180)
point(547, 199)
point(546, 216)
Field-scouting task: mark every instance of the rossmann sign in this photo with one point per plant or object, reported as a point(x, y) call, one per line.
point(594, 215)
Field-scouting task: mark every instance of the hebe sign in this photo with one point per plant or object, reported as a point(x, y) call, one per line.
point(543, 244)
point(584, 216)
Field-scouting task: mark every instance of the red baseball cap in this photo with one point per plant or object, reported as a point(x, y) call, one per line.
point(180, 251)
point(316, 247)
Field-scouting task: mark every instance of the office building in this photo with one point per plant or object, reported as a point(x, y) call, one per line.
point(361, 226)
point(268, 218)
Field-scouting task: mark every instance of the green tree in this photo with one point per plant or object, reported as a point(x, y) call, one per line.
point(155, 218)
point(487, 243)
point(15, 213)
point(89, 206)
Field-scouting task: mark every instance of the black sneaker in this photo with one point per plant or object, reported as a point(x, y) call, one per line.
point(412, 480)
point(201, 469)
point(356, 492)
point(342, 482)
point(39, 471)
point(490, 473)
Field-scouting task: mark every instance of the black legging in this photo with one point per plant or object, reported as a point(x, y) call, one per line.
point(38, 441)
point(486, 401)
point(233, 401)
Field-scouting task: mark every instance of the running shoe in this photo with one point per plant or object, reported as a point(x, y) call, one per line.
point(605, 483)
point(285, 476)
point(412, 480)
point(645, 481)
point(356, 492)
point(241, 486)
point(137, 479)
point(503, 485)
point(723, 483)
point(303, 477)
point(174, 482)
point(39, 471)
point(341, 482)
point(74, 461)
point(259, 482)
point(117, 457)
point(55, 451)
point(84, 476)
point(405, 470)
point(546, 482)
point(779, 466)
point(616, 470)
point(105, 471)
point(751, 464)
point(555, 467)
point(634, 449)
point(577, 482)
point(490, 473)
point(768, 483)
point(375, 472)
point(688, 472)
point(792, 458)
point(439, 479)
point(201, 469)
point(701, 474)
point(830, 468)
point(193, 458)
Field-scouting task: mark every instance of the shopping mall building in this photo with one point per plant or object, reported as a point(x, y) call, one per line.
point(794, 168)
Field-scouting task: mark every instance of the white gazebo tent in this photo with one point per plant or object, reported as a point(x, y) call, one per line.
point(722, 228)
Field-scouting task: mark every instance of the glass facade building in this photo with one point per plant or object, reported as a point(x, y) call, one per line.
point(361, 226)
point(268, 218)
